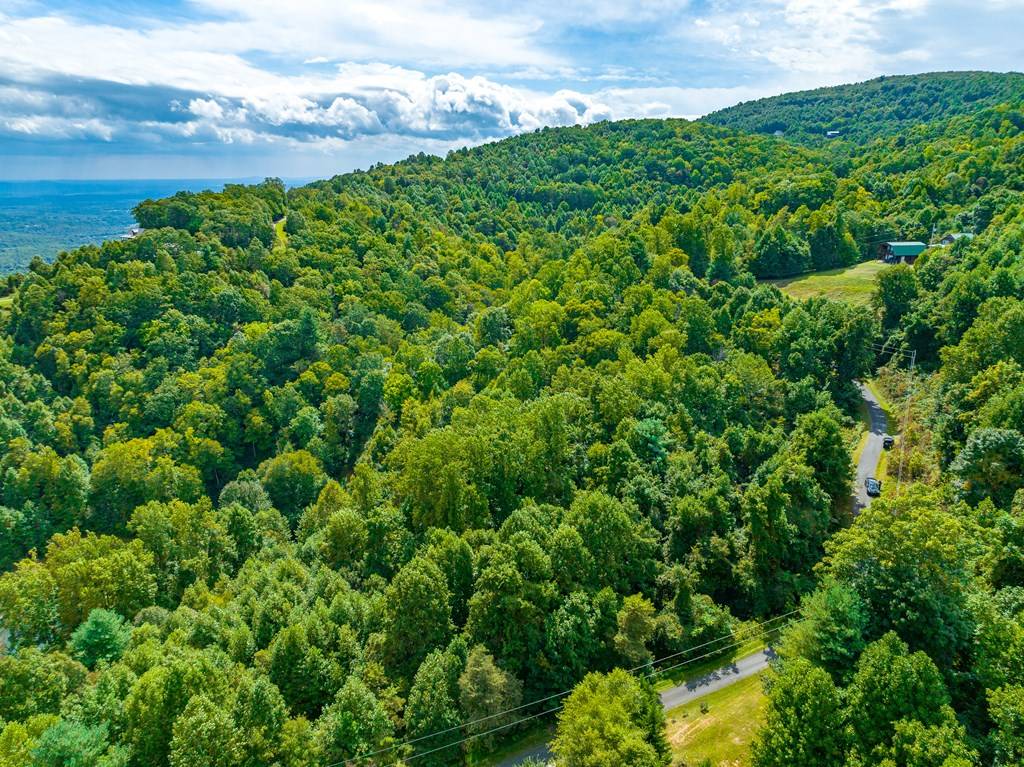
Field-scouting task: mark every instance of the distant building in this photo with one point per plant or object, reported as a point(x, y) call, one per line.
point(132, 233)
point(832, 134)
point(952, 237)
point(894, 252)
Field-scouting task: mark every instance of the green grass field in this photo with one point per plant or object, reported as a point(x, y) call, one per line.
point(722, 735)
point(5, 306)
point(853, 284)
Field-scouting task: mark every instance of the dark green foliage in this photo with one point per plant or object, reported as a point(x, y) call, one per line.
point(103, 637)
point(880, 107)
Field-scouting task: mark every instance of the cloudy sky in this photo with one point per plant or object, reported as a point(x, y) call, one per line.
point(218, 88)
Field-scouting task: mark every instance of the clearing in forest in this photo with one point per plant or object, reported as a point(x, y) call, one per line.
point(853, 284)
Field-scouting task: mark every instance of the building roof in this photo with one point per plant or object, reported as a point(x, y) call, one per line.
point(902, 248)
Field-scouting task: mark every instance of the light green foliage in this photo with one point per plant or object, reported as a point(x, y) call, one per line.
point(432, 707)
point(292, 480)
point(203, 736)
point(907, 559)
point(1006, 707)
point(895, 292)
point(831, 634)
point(355, 723)
point(69, 743)
point(636, 629)
point(486, 693)
point(891, 684)
point(417, 615)
point(804, 724)
point(33, 682)
point(611, 719)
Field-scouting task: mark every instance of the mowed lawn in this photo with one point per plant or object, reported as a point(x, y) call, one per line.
point(854, 284)
point(723, 735)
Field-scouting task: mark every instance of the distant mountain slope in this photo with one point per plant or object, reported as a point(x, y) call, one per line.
point(879, 107)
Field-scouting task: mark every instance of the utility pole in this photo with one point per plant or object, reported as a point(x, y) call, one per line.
point(906, 420)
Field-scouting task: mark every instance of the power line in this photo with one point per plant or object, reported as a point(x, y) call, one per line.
point(887, 350)
point(560, 707)
point(761, 630)
point(481, 734)
point(906, 422)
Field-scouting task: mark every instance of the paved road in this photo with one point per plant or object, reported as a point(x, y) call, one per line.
point(674, 697)
point(868, 462)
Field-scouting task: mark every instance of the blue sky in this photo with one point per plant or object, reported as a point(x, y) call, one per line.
point(221, 88)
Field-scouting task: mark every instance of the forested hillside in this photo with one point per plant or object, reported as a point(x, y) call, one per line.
point(349, 472)
point(886, 106)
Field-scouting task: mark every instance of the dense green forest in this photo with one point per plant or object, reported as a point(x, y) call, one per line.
point(886, 106)
point(351, 472)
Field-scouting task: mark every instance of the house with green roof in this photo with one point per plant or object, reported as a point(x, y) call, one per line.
point(894, 252)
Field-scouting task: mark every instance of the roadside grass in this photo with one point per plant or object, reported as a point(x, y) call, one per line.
point(528, 738)
point(5, 305)
point(724, 733)
point(282, 236)
point(875, 388)
point(882, 470)
point(688, 671)
point(852, 284)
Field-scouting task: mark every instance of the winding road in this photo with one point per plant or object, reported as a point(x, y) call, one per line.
point(674, 697)
point(872, 452)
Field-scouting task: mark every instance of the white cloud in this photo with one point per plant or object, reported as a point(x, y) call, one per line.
point(819, 41)
point(207, 108)
point(52, 127)
point(441, 73)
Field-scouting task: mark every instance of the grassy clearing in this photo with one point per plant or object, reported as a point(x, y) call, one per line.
point(722, 735)
point(853, 284)
point(5, 306)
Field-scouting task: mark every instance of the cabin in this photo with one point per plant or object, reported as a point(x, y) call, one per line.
point(895, 252)
point(832, 134)
point(952, 237)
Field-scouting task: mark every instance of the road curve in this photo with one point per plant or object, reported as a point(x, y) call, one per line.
point(674, 697)
point(872, 452)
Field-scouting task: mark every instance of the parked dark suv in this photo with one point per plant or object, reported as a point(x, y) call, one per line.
point(888, 442)
point(873, 487)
